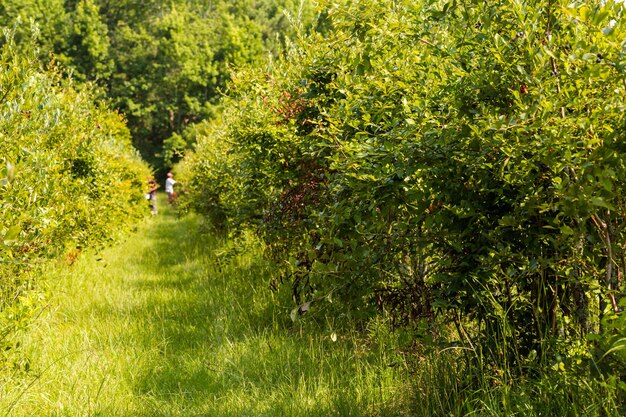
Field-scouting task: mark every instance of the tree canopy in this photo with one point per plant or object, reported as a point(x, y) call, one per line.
point(163, 64)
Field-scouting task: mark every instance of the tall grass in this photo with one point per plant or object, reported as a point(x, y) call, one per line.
point(177, 323)
point(445, 384)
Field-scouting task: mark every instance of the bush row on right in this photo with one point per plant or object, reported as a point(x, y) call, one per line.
point(441, 162)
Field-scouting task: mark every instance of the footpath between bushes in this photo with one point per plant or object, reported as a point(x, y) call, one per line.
point(173, 322)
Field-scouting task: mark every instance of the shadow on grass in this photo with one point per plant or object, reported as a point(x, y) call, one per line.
point(215, 343)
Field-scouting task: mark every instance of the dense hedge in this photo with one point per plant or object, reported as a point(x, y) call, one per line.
point(455, 158)
point(69, 176)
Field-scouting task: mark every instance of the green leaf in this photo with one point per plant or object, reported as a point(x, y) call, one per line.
point(10, 172)
point(12, 233)
point(589, 57)
point(600, 202)
point(584, 13)
point(599, 16)
point(607, 184)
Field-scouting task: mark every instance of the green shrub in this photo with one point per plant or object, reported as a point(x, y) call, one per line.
point(69, 176)
point(451, 158)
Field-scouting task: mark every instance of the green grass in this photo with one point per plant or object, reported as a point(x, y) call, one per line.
point(176, 323)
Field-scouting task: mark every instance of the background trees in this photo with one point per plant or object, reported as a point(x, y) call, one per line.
point(162, 65)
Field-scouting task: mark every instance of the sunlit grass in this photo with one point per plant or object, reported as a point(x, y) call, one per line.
point(174, 323)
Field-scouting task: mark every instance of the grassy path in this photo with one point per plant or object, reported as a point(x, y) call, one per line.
point(174, 323)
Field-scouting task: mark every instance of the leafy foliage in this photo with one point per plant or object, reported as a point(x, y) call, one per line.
point(69, 176)
point(162, 64)
point(447, 158)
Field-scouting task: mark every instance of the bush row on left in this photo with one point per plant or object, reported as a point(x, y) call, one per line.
point(69, 176)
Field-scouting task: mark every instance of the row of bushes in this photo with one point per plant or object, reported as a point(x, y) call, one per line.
point(455, 159)
point(69, 176)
